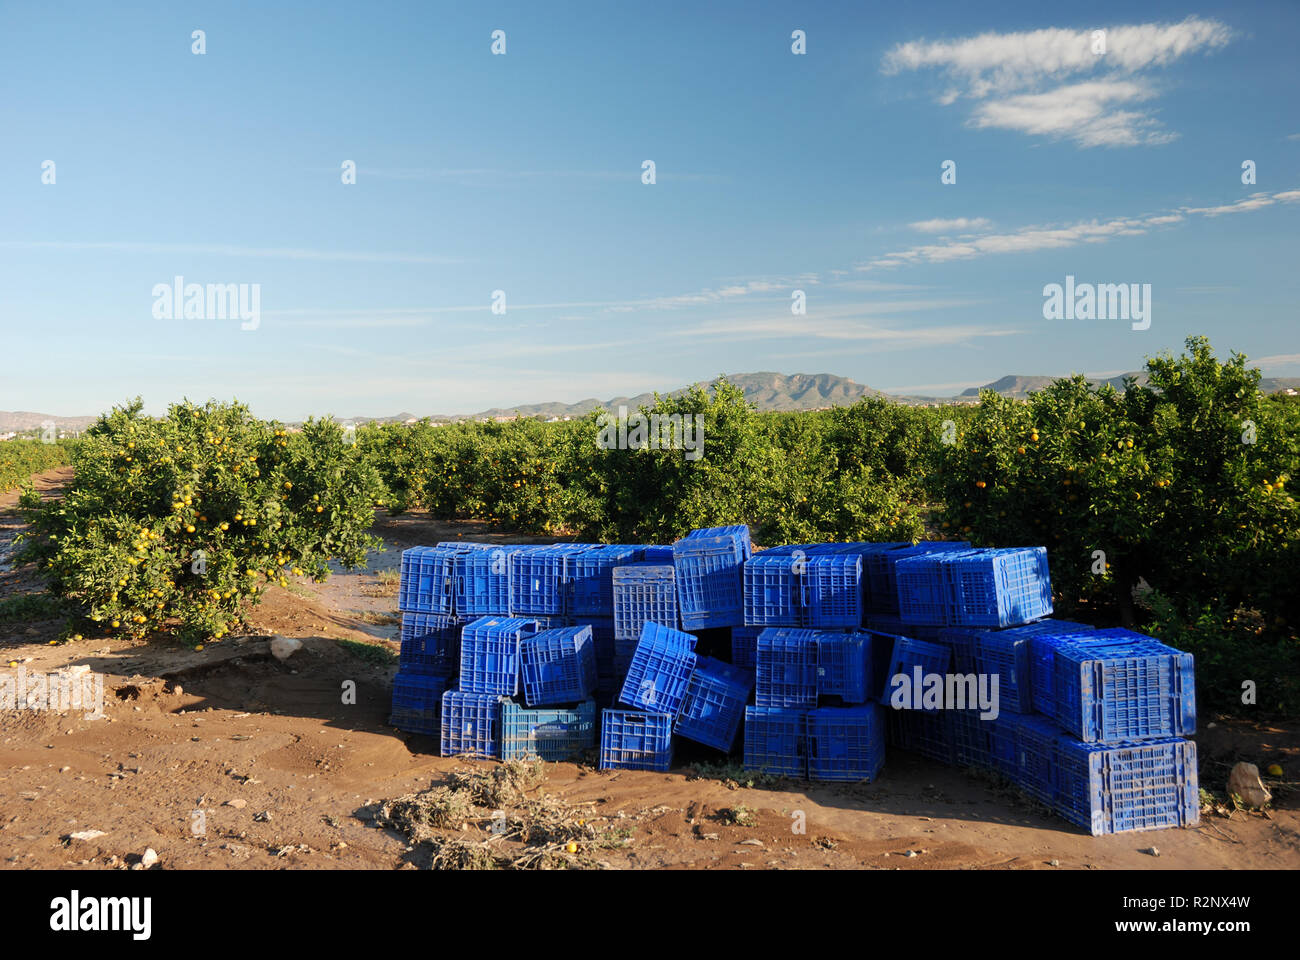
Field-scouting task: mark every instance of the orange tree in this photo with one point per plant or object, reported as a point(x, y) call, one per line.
point(179, 522)
point(1179, 486)
point(19, 459)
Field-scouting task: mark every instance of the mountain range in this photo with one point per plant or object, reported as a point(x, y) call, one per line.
point(767, 391)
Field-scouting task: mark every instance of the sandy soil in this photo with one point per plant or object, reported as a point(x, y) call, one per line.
point(226, 757)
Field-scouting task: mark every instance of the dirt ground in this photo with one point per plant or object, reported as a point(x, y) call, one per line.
point(228, 758)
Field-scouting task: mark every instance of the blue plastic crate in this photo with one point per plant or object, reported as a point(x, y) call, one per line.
point(999, 588)
point(846, 743)
point(970, 739)
point(548, 734)
point(1036, 757)
point(786, 668)
point(961, 641)
point(922, 585)
point(427, 581)
point(879, 570)
point(540, 580)
point(1001, 733)
point(592, 573)
point(1128, 786)
point(714, 704)
point(776, 741)
point(489, 654)
point(417, 702)
point(771, 589)
point(657, 553)
point(430, 644)
point(1131, 688)
point(643, 593)
point(558, 666)
point(660, 668)
point(633, 740)
point(1008, 653)
point(710, 584)
point(926, 734)
point(831, 590)
point(602, 635)
point(844, 666)
point(744, 647)
point(911, 655)
point(482, 573)
point(1044, 637)
point(471, 725)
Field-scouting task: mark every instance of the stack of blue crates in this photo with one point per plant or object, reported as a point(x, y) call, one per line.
point(508, 649)
point(800, 725)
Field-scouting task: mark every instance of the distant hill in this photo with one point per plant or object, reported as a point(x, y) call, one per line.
point(1017, 386)
point(767, 391)
point(20, 420)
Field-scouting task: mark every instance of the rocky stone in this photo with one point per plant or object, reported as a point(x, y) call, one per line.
point(1245, 784)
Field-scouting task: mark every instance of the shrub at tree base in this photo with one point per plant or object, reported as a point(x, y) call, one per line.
point(179, 522)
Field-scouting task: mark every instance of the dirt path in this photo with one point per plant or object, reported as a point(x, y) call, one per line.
point(228, 758)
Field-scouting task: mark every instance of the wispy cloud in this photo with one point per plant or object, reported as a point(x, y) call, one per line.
point(1278, 360)
point(1027, 239)
point(956, 225)
point(231, 250)
point(1014, 74)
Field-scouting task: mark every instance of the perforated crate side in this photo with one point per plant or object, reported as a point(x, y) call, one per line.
point(430, 644)
point(661, 666)
point(643, 593)
point(489, 654)
point(831, 590)
point(633, 740)
point(471, 725)
point(771, 590)
point(1134, 689)
point(786, 668)
point(710, 581)
point(775, 741)
point(714, 704)
point(591, 572)
point(547, 734)
point(426, 581)
point(1125, 787)
point(540, 580)
point(558, 666)
point(1036, 757)
point(482, 575)
point(844, 666)
point(846, 743)
point(910, 656)
point(1000, 587)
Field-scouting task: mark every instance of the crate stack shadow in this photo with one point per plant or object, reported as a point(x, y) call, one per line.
point(807, 659)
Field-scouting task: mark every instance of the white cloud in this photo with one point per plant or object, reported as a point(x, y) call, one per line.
point(1028, 239)
point(1278, 360)
point(956, 225)
point(1013, 69)
point(1083, 112)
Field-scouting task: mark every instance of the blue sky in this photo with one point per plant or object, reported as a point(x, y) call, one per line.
point(522, 173)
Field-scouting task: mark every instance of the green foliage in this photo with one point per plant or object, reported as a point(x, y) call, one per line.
point(178, 522)
point(19, 459)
